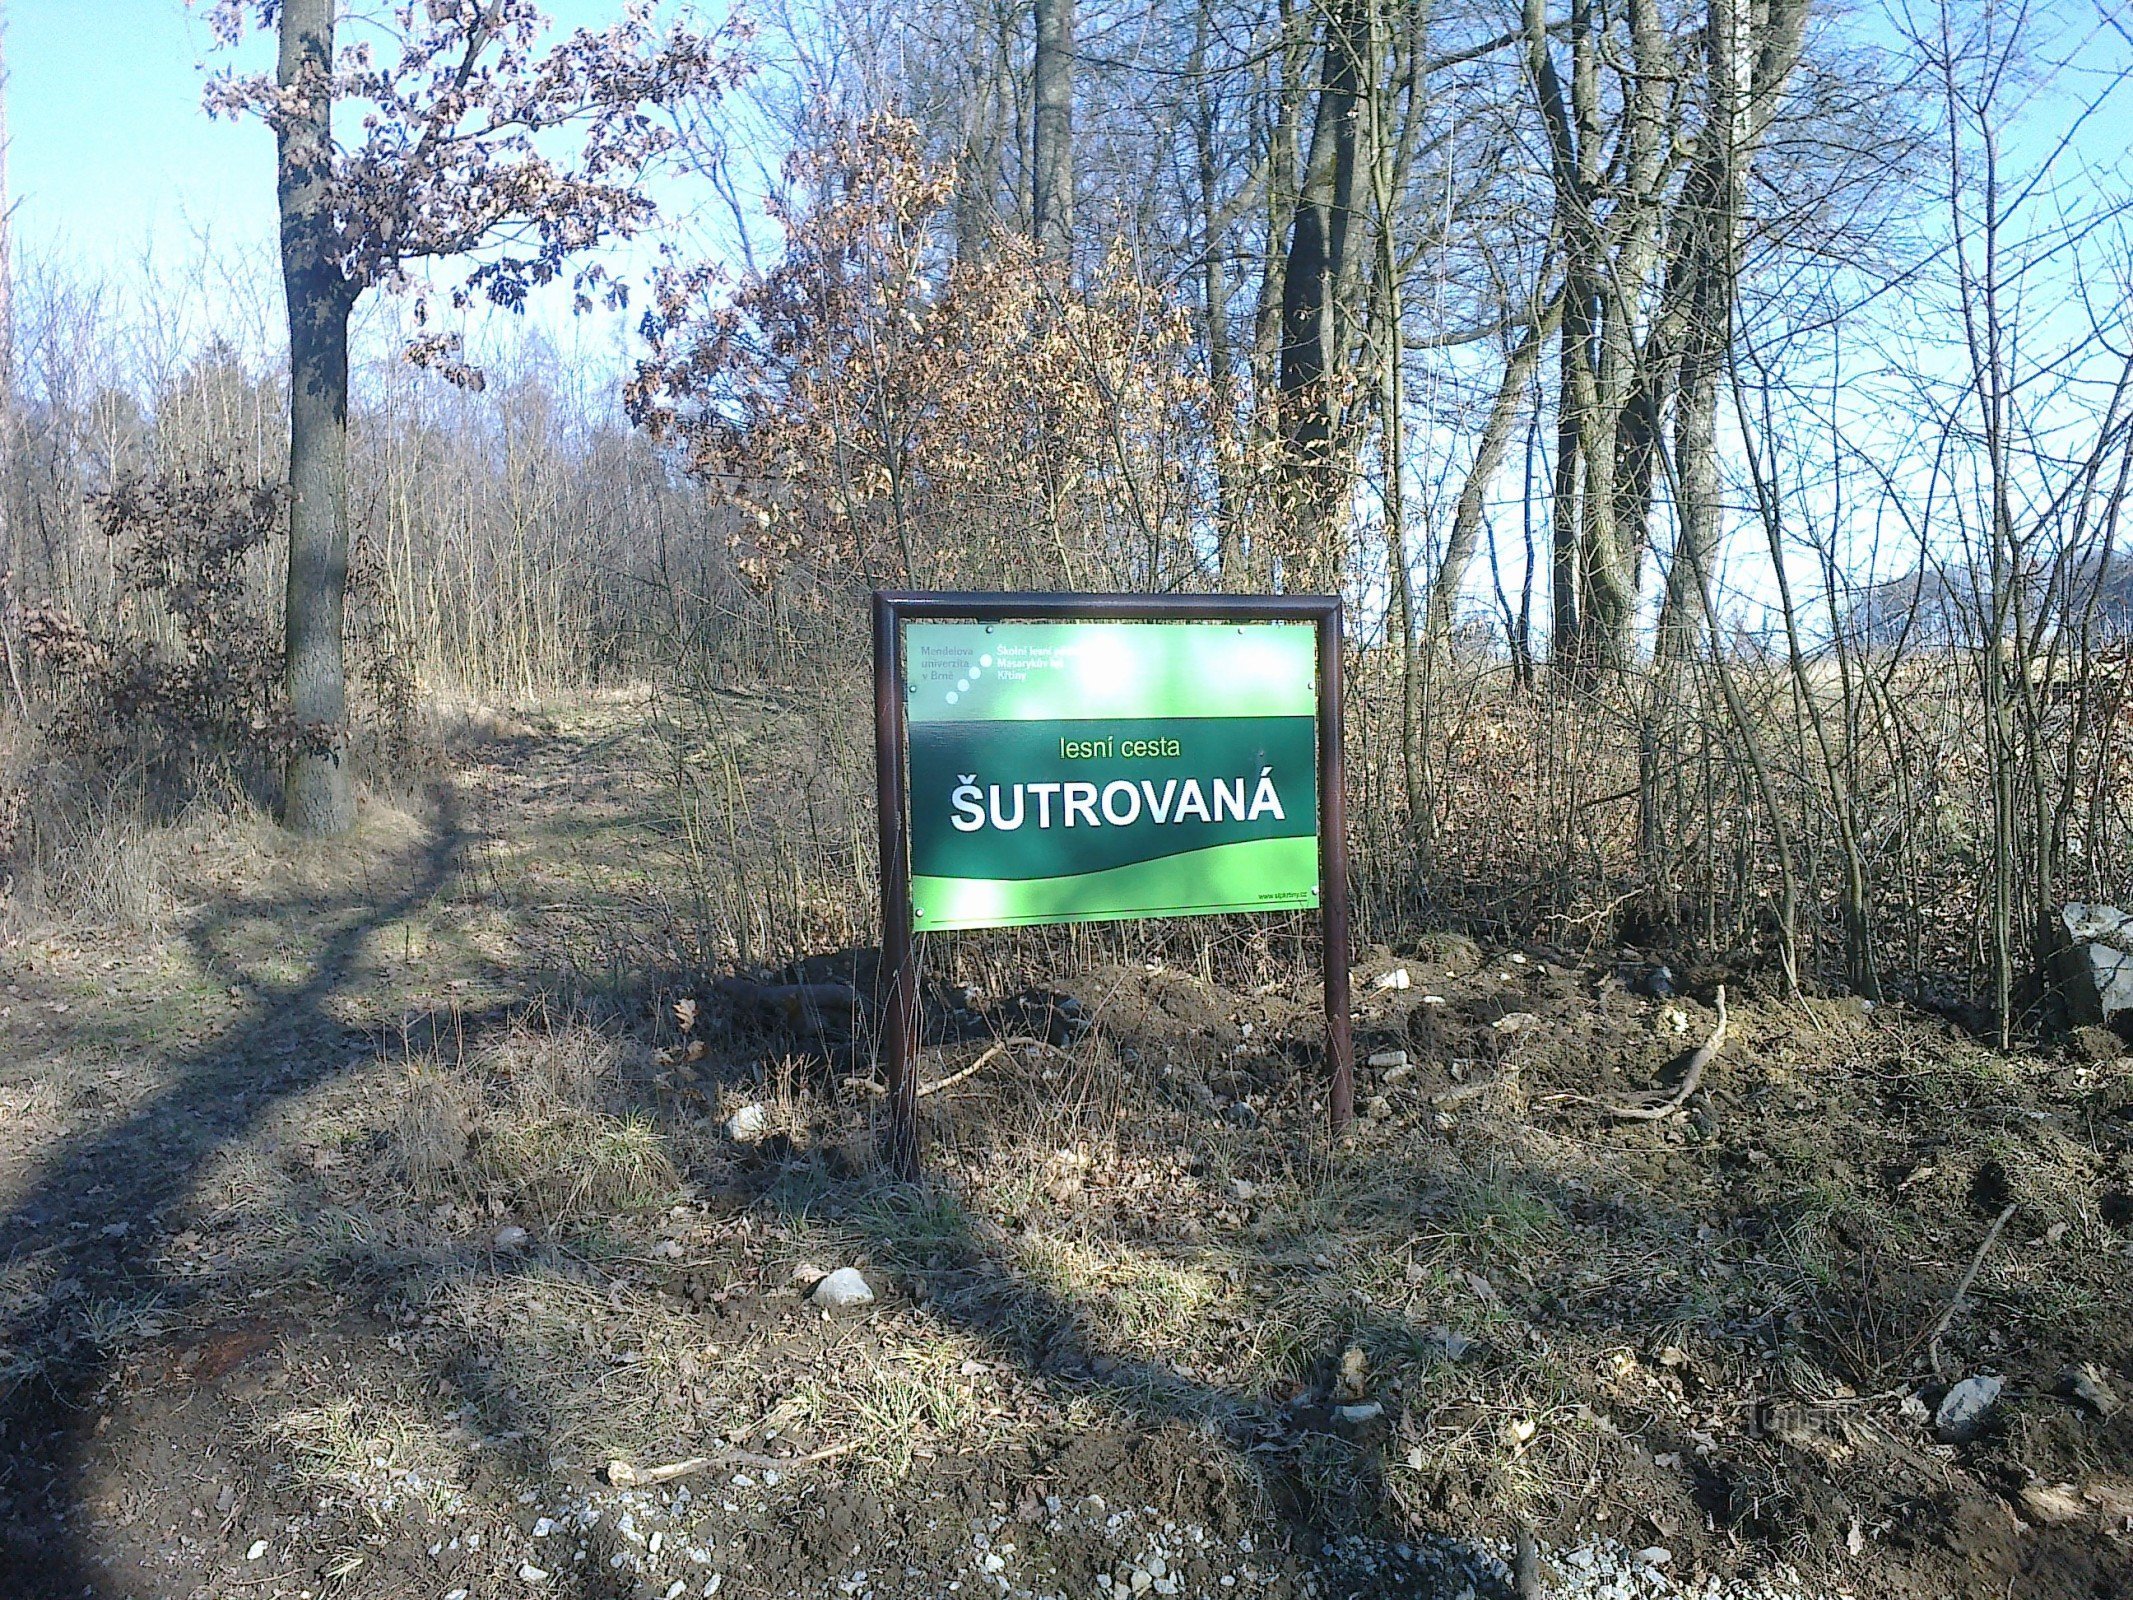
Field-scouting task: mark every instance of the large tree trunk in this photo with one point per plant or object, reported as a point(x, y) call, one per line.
point(1314, 321)
point(319, 798)
point(1746, 73)
point(1052, 131)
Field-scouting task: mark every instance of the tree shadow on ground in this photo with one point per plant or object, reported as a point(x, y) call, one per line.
point(1318, 1459)
point(102, 1212)
point(104, 1209)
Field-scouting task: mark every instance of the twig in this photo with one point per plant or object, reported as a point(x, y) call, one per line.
point(1962, 1289)
point(992, 1053)
point(1468, 1091)
point(623, 1475)
point(977, 1066)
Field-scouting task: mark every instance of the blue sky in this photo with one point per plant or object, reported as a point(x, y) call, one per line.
point(109, 147)
point(115, 169)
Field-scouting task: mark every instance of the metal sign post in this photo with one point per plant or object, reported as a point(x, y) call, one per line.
point(1135, 770)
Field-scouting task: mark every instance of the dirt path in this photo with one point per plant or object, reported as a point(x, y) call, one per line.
point(137, 1066)
point(352, 1222)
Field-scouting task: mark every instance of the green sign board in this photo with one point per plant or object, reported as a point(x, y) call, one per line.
point(1091, 771)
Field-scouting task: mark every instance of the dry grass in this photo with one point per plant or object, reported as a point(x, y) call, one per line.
point(1143, 1231)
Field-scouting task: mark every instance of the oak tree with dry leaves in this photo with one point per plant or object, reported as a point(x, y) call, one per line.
point(473, 145)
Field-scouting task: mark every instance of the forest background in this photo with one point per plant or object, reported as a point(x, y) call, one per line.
point(1716, 417)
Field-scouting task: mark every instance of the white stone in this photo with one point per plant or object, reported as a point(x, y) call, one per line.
point(2097, 962)
point(845, 1287)
point(1964, 1408)
point(1395, 979)
point(748, 1124)
point(529, 1573)
point(259, 1548)
point(1389, 1058)
point(511, 1237)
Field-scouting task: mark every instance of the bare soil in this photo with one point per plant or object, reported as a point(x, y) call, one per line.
point(359, 1216)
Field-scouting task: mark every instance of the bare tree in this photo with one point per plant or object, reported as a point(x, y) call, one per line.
point(1052, 132)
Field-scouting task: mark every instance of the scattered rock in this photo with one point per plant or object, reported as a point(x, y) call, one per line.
point(1514, 1021)
point(1389, 1058)
point(511, 1237)
point(2084, 1385)
point(748, 1124)
point(1653, 1555)
point(1377, 1108)
point(529, 1573)
point(259, 1548)
point(1361, 1412)
point(1455, 1345)
point(843, 1289)
point(1964, 1409)
point(2095, 960)
point(1397, 978)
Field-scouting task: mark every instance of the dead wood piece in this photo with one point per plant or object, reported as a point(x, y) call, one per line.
point(1961, 1291)
point(622, 1474)
point(992, 1053)
point(793, 1001)
point(1657, 1103)
point(1526, 1568)
point(1470, 1091)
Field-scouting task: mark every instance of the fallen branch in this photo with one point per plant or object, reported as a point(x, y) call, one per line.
point(792, 1000)
point(1526, 1567)
point(992, 1053)
point(623, 1475)
point(1962, 1289)
point(1654, 1104)
point(979, 1065)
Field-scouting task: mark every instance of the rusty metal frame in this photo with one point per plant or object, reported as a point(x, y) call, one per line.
point(898, 1036)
